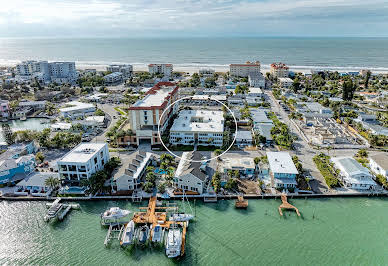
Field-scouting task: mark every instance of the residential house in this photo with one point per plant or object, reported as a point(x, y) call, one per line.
point(191, 173)
point(282, 170)
point(379, 164)
point(130, 175)
point(353, 174)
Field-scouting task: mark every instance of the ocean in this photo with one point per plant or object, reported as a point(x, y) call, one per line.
point(337, 231)
point(193, 53)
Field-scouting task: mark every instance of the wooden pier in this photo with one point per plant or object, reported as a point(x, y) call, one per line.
point(241, 203)
point(152, 217)
point(286, 205)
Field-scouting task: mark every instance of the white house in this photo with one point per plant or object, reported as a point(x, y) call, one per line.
point(243, 138)
point(286, 82)
point(130, 175)
point(282, 169)
point(191, 176)
point(245, 165)
point(83, 161)
point(379, 164)
point(77, 109)
point(353, 174)
point(34, 184)
point(198, 126)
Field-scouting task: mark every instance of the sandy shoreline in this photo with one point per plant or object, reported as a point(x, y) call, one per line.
point(190, 68)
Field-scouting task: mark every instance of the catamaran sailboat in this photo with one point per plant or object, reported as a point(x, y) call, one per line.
point(114, 215)
point(174, 242)
point(128, 234)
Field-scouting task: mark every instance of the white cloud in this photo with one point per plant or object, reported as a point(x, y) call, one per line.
point(97, 17)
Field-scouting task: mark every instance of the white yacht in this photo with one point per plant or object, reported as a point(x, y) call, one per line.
point(174, 242)
point(181, 217)
point(114, 215)
point(128, 235)
point(157, 234)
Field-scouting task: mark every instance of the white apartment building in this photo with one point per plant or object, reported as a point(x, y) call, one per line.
point(286, 82)
point(114, 77)
point(165, 69)
point(379, 164)
point(126, 70)
point(59, 72)
point(83, 161)
point(198, 127)
point(144, 115)
point(244, 70)
point(76, 109)
point(256, 80)
point(279, 70)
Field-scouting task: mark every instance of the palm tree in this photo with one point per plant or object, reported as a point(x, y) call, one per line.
point(52, 182)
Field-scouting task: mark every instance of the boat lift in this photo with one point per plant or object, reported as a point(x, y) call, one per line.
point(58, 210)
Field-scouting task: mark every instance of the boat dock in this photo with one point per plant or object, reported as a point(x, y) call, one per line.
point(151, 216)
point(114, 232)
point(241, 203)
point(286, 205)
point(58, 210)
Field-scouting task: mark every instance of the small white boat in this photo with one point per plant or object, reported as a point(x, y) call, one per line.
point(181, 217)
point(143, 234)
point(128, 234)
point(157, 234)
point(174, 242)
point(114, 215)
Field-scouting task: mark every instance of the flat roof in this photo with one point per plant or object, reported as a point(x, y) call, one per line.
point(255, 90)
point(265, 130)
point(285, 80)
point(281, 162)
point(75, 105)
point(243, 134)
point(238, 162)
point(155, 99)
point(82, 153)
point(98, 119)
point(199, 121)
point(259, 116)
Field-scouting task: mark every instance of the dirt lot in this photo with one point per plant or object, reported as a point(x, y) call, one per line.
point(248, 186)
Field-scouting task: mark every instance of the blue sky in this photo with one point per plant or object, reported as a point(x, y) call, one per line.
point(186, 18)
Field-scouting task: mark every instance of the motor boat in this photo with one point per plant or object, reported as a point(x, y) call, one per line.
point(143, 234)
point(181, 217)
point(114, 215)
point(128, 235)
point(157, 234)
point(173, 242)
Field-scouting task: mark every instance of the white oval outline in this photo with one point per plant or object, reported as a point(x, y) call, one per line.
point(195, 161)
